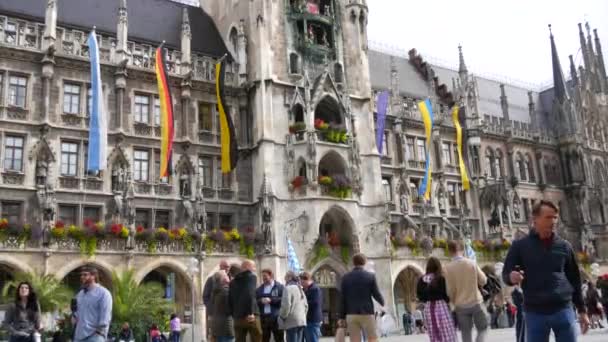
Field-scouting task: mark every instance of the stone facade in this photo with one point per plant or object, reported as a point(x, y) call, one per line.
point(301, 88)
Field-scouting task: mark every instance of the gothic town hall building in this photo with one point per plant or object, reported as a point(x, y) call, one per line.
point(301, 84)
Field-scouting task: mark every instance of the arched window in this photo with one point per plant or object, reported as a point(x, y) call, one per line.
point(500, 167)
point(298, 113)
point(294, 63)
point(520, 166)
point(490, 164)
point(598, 173)
point(530, 167)
point(234, 43)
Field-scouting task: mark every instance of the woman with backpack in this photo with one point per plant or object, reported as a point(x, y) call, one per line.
point(431, 289)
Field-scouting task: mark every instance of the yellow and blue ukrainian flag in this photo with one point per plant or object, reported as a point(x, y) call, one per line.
point(427, 117)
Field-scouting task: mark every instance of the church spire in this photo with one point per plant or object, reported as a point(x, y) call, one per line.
point(581, 37)
point(559, 83)
point(573, 70)
point(462, 68)
point(600, 62)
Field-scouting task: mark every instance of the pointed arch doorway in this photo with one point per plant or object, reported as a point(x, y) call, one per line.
point(404, 290)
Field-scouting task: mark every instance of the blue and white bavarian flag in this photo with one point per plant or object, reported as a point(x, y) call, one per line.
point(292, 259)
point(98, 126)
point(469, 253)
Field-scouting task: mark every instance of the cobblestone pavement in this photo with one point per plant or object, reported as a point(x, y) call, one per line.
point(495, 335)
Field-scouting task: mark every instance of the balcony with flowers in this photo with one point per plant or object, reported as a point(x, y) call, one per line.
point(98, 237)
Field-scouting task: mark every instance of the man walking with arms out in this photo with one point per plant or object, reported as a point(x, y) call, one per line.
point(94, 311)
point(358, 288)
point(545, 266)
point(463, 279)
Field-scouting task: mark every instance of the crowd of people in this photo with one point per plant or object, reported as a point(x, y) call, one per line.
point(289, 311)
point(547, 295)
point(541, 271)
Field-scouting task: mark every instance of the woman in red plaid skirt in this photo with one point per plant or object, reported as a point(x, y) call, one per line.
point(437, 316)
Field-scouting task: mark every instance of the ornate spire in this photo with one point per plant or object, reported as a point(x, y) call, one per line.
point(186, 38)
point(50, 24)
point(122, 29)
point(573, 74)
point(462, 68)
point(504, 104)
point(559, 83)
point(532, 111)
point(581, 37)
point(600, 61)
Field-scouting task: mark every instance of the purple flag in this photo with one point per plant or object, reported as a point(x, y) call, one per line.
point(382, 106)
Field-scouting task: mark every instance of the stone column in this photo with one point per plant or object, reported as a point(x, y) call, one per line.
point(120, 84)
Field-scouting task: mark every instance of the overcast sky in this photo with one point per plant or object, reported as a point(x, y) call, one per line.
point(509, 39)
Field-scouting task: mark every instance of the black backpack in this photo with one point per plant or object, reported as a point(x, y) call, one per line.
point(491, 288)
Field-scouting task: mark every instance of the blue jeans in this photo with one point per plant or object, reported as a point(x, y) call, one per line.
point(295, 334)
point(312, 332)
point(563, 324)
point(224, 338)
point(175, 336)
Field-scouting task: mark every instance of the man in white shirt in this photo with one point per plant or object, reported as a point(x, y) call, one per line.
point(269, 301)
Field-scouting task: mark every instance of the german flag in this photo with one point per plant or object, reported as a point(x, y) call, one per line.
point(166, 114)
point(227, 136)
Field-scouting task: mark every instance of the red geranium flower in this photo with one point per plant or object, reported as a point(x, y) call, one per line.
point(59, 224)
point(140, 229)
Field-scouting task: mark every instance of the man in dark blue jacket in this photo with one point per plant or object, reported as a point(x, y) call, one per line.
point(269, 296)
point(314, 316)
point(358, 288)
point(545, 266)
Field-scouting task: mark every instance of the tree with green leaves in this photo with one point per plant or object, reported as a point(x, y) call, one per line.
point(52, 293)
point(139, 304)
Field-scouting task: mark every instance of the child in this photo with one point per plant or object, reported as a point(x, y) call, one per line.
point(341, 331)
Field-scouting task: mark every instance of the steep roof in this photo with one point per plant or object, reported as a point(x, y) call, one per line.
point(150, 21)
point(412, 84)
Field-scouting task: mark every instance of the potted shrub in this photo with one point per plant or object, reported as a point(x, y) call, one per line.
point(298, 182)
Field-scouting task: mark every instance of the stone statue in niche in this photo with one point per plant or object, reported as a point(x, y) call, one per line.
point(516, 208)
point(188, 213)
point(310, 36)
point(42, 169)
point(47, 203)
point(587, 238)
point(266, 199)
point(129, 202)
point(441, 195)
point(200, 209)
point(118, 178)
point(325, 42)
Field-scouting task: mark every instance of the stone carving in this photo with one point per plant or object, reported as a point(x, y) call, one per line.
point(404, 193)
point(200, 210)
point(188, 213)
point(516, 208)
point(118, 178)
point(441, 194)
point(290, 156)
point(47, 203)
point(587, 239)
point(312, 156)
point(325, 278)
point(128, 208)
point(42, 170)
point(267, 211)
